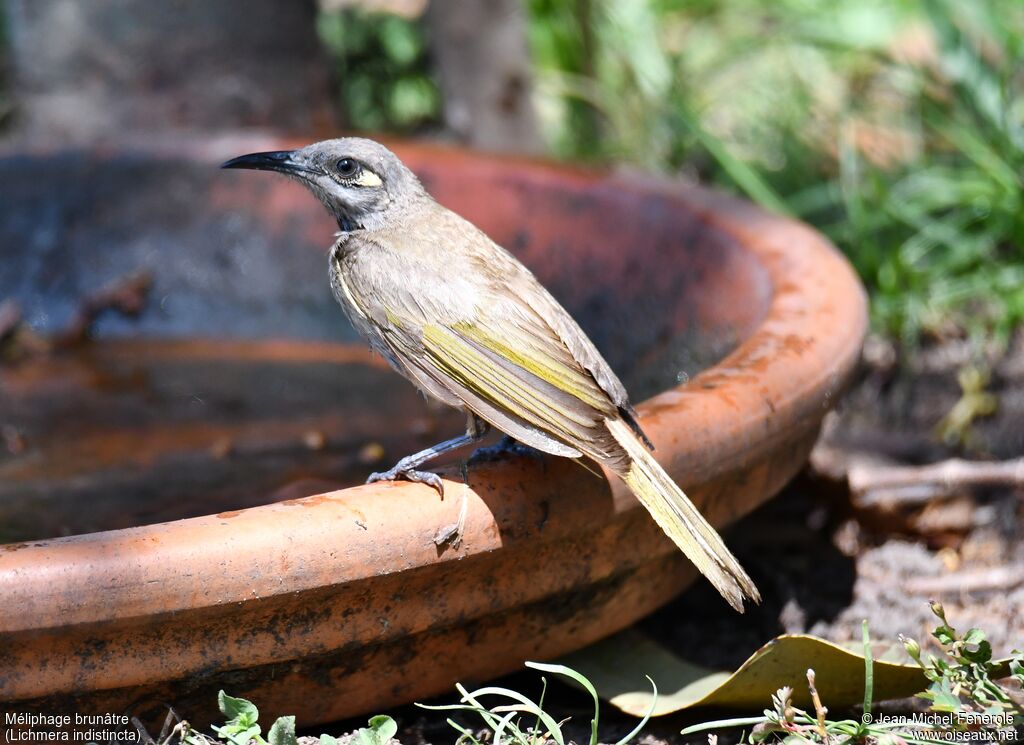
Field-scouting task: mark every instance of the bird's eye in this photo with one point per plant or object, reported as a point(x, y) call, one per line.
point(347, 168)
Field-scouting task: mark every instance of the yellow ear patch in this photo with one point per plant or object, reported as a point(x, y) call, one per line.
point(367, 178)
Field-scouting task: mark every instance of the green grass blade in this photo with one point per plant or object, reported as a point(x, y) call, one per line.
point(568, 672)
point(964, 140)
point(526, 705)
point(502, 724)
point(869, 670)
point(742, 174)
point(636, 730)
point(721, 724)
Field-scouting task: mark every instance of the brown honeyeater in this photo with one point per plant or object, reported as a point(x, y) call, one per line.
point(471, 326)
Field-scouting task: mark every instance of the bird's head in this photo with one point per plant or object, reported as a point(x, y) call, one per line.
point(359, 181)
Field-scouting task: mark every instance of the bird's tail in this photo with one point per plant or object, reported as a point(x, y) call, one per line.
point(683, 523)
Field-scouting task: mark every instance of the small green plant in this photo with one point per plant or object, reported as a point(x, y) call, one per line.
point(975, 401)
point(381, 730)
point(242, 728)
point(962, 678)
point(504, 721)
point(241, 725)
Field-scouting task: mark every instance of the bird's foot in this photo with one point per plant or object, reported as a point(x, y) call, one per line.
point(505, 446)
point(409, 473)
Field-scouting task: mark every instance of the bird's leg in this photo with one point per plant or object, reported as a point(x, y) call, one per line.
point(507, 445)
point(406, 468)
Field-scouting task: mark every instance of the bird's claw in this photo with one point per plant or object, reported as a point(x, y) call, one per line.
point(409, 474)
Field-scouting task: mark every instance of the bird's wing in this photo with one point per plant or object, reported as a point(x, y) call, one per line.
point(509, 359)
point(521, 285)
point(579, 345)
point(440, 373)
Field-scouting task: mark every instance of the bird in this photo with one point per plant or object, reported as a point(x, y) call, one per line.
point(470, 325)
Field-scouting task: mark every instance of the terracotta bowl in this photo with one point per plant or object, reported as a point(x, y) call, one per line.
point(156, 488)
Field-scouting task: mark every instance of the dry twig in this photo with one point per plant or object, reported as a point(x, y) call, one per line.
point(912, 485)
point(981, 580)
point(819, 710)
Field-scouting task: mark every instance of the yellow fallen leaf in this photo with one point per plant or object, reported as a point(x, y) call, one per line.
point(617, 666)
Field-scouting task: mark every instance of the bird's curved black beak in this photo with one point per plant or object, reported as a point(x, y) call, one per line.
point(282, 161)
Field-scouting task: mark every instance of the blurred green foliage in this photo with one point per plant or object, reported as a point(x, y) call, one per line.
point(381, 68)
point(894, 126)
